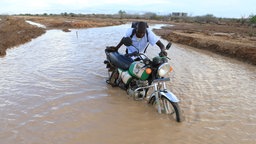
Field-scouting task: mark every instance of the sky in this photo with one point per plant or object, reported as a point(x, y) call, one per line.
point(218, 8)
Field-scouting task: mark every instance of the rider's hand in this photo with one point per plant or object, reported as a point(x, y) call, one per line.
point(163, 53)
point(111, 49)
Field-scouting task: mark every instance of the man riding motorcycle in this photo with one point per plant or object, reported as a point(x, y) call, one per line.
point(141, 77)
point(141, 37)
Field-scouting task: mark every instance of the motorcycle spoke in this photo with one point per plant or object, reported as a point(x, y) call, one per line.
point(168, 107)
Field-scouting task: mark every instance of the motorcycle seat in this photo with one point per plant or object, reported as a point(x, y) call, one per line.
point(120, 60)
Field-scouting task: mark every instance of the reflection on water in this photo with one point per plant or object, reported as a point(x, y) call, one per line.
point(36, 24)
point(53, 90)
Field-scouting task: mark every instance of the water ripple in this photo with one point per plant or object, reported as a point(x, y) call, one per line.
point(53, 89)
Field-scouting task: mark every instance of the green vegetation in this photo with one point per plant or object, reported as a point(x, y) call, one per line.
point(121, 14)
point(252, 19)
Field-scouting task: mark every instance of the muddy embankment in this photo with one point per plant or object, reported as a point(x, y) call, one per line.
point(231, 41)
point(15, 31)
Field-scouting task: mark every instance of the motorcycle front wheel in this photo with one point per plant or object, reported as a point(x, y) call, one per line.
point(168, 107)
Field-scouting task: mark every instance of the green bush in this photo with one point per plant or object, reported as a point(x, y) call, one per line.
point(252, 19)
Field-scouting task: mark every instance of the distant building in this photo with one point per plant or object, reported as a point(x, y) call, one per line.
point(179, 14)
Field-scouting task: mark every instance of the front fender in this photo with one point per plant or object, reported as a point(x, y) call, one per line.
point(169, 95)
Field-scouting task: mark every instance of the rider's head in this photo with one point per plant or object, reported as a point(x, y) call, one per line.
point(141, 29)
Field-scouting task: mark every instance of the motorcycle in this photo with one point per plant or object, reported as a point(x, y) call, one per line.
point(137, 77)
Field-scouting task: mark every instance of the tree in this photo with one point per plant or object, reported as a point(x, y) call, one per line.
point(252, 19)
point(121, 13)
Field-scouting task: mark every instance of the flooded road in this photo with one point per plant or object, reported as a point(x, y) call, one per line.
point(53, 91)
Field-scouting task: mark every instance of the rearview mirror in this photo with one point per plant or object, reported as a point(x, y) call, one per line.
point(127, 41)
point(168, 45)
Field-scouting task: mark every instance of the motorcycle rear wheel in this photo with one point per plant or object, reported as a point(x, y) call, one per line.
point(168, 107)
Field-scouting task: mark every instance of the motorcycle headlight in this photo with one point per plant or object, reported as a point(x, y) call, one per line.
point(164, 69)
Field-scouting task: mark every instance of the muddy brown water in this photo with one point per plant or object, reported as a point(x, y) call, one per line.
point(53, 91)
